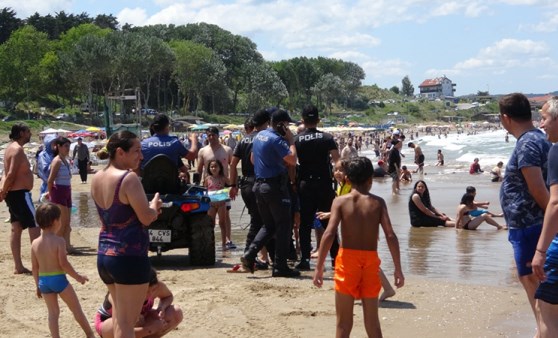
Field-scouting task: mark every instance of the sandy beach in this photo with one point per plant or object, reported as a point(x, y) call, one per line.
point(221, 304)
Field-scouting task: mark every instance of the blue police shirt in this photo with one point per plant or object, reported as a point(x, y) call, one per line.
point(520, 208)
point(163, 144)
point(268, 149)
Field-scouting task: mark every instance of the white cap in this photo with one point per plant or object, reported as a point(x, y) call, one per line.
point(396, 132)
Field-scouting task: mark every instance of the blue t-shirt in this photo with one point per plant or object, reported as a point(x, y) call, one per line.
point(163, 144)
point(268, 149)
point(520, 208)
point(551, 180)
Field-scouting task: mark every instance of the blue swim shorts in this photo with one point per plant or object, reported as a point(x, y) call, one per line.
point(524, 242)
point(52, 282)
point(548, 290)
point(128, 270)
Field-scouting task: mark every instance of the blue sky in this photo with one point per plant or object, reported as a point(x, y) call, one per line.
point(496, 45)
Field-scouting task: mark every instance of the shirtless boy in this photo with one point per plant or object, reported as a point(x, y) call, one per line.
point(357, 264)
point(50, 265)
point(17, 182)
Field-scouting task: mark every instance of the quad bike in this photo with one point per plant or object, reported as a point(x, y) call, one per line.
point(183, 222)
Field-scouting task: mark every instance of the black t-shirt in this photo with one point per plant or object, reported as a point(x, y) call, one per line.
point(552, 174)
point(243, 150)
point(394, 158)
point(313, 148)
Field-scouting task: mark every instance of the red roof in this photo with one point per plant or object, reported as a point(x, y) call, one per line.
point(431, 82)
point(543, 98)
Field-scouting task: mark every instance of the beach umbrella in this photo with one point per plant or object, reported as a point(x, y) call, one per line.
point(227, 132)
point(93, 129)
point(49, 131)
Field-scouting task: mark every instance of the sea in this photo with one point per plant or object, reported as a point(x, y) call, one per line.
point(483, 256)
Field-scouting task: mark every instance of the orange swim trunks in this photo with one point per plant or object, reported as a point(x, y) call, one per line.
point(357, 273)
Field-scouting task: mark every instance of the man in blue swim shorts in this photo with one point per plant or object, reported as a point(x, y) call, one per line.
point(523, 194)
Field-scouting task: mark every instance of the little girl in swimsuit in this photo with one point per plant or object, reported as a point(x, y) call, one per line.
point(216, 180)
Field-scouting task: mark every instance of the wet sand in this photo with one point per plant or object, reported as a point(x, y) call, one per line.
point(443, 295)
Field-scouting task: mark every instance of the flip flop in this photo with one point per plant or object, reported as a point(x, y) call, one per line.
point(237, 269)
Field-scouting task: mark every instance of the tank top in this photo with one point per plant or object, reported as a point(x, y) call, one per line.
point(122, 234)
point(64, 175)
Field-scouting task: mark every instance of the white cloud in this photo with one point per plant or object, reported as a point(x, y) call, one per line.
point(499, 58)
point(447, 8)
point(134, 16)
point(548, 24)
point(506, 47)
point(26, 8)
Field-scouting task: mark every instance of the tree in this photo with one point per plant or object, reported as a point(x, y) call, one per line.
point(106, 21)
point(407, 88)
point(328, 88)
point(188, 70)
point(8, 23)
point(395, 89)
point(264, 87)
point(482, 93)
point(20, 58)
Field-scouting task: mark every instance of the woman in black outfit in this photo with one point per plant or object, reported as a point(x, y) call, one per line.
point(421, 211)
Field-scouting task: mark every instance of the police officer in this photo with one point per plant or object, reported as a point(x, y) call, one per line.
point(242, 154)
point(316, 151)
point(162, 143)
point(272, 150)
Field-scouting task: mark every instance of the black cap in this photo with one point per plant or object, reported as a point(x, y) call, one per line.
point(212, 130)
point(310, 113)
point(79, 139)
point(281, 115)
point(260, 117)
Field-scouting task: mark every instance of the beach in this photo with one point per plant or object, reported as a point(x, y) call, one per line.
point(436, 301)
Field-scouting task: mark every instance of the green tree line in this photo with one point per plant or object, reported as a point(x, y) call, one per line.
point(66, 60)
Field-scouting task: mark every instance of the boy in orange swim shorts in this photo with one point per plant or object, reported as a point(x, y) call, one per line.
point(357, 264)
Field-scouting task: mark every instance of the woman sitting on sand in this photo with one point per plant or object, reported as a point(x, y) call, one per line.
point(469, 216)
point(421, 211)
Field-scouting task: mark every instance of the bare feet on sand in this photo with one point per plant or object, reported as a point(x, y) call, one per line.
point(22, 271)
point(386, 294)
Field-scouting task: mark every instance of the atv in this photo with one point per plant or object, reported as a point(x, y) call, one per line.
point(183, 222)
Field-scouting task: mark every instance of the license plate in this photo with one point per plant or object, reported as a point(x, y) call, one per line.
point(159, 236)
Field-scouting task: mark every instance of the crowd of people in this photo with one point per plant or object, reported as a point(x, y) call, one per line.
point(286, 183)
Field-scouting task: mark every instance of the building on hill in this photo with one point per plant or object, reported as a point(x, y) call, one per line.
point(440, 87)
point(539, 101)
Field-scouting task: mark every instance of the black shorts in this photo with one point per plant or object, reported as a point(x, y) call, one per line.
point(21, 208)
point(420, 160)
point(128, 270)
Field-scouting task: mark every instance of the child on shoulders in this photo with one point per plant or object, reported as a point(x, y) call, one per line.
point(50, 265)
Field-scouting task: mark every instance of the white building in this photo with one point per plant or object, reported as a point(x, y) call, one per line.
point(440, 87)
